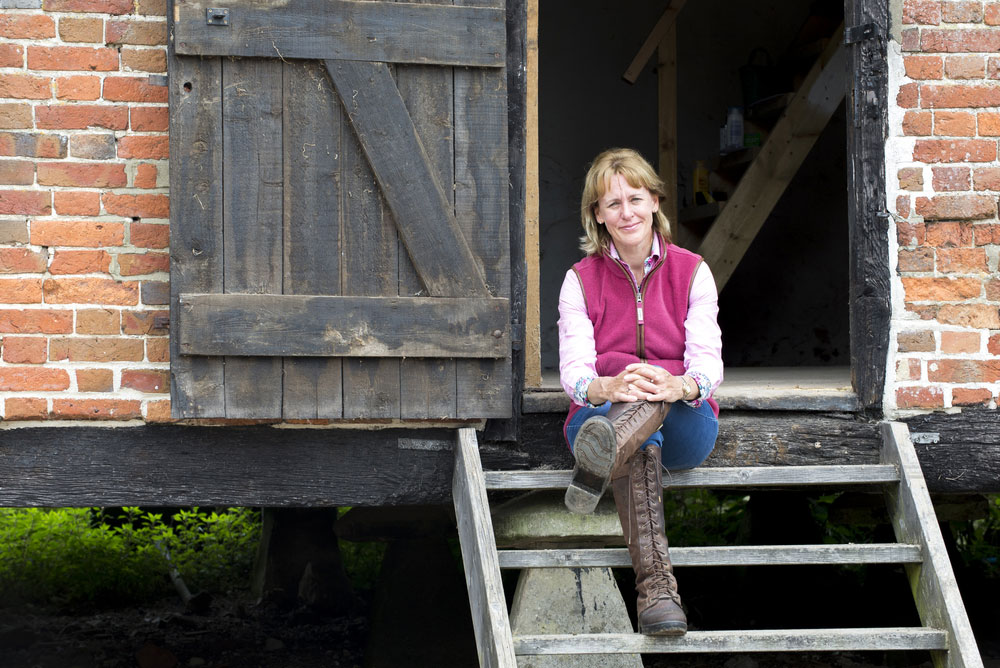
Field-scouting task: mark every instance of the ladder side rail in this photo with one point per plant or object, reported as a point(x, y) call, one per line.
point(935, 590)
point(494, 640)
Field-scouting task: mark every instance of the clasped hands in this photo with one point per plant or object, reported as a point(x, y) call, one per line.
point(637, 382)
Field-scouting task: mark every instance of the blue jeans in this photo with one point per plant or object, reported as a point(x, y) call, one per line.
point(686, 437)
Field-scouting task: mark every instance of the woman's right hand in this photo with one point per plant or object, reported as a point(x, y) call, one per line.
point(610, 388)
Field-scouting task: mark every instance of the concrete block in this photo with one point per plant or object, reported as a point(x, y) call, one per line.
point(570, 600)
point(540, 519)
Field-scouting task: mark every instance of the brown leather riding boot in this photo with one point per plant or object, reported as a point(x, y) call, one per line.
point(634, 422)
point(639, 499)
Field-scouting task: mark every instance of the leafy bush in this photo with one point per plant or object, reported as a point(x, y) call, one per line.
point(979, 540)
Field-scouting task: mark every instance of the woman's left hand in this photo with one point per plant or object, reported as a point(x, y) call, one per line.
point(651, 383)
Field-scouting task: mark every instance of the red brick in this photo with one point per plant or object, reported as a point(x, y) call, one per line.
point(76, 202)
point(974, 40)
point(919, 397)
point(33, 144)
point(986, 178)
point(145, 235)
point(911, 178)
point(144, 60)
point(150, 119)
point(144, 206)
point(25, 202)
point(962, 11)
point(986, 234)
point(993, 344)
point(81, 117)
point(158, 350)
point(951, 178)
point(94, 59)
point(963, 371)
point(98, 321)
point(991, 13)
point(17, 172)
point(96, 409)
point(81, 30)
point(989, 124)
point(95, 380)
point(975, 316)
point(30, 378)
point(15, 116)
point(925, 12)
point(36, 321)
point(25, 349)
point(903, 206)
point(91, 291)
point(11, 55)
point(13, 231)
point(910, 39)
point(27, 26)
point(966, 396)
point(142, 147)
point(143, 323)
point(954, 123)
point(964, 96)
point(907, 369)
point(25, 86)
point(94, 6)
point(25, 408)
point(158, 411)
point(948, 234)
point(95, 349)
point(145, 176)
point(955, 150)
point(85, 233)
point(920, 289)
point(917, 123)
point(93, 147)
point(965, 67)
point(142, 33)
point(78, 87)
point(960, 342)
point(133, 89)
point(957, 207)
point(82, 174)
point(155, 293)
point(20, 290)
point(137, 264)
point(22, 261)
point(923, 67)
point(149, 381)
point(921, 341)
point(908, 96)
point(919, 259)
point(80, 262)
point(961, 260)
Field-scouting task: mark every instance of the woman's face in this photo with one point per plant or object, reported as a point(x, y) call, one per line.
point(627, 213)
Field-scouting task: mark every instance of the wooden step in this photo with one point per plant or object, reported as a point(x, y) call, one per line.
point(730, 555)
point(770, 476)
point(784, 640)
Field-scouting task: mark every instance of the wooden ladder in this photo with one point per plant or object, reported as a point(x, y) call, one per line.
point(945, 631)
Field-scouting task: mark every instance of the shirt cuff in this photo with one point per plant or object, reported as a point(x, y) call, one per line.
point(704, 388)
point(580, 391)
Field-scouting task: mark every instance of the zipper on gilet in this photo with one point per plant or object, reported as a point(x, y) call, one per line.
point(638, 292)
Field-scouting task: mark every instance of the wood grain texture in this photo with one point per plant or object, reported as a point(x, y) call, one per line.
point(666, 22)
point(252, 192)
point(935, 590)
point(309, 325)
point(196, 385)
point(321, 29)
point(311, 237)
point(479, 554)
point(532, 220)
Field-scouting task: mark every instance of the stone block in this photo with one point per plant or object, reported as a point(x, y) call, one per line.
point(540, 519)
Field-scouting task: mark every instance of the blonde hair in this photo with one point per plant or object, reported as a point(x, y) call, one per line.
point(638, 173)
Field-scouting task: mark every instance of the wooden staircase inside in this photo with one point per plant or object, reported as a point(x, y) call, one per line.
point(945, 630)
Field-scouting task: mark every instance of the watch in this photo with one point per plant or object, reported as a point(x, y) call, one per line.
point(685, 388)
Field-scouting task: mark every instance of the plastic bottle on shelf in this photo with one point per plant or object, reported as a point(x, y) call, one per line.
point(734, 128)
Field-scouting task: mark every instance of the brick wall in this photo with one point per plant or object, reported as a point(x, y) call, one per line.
point(944, 179)
point(83, 210)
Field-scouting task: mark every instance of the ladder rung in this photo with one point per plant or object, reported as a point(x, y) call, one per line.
point(754, 476)
point(732, 555)
point(792, 640)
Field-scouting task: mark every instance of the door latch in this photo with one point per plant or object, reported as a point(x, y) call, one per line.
point(217, 16)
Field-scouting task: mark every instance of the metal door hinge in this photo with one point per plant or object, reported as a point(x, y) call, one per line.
point(217, 16)
point(859, 33)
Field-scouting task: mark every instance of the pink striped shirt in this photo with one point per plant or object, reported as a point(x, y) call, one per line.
point(703, 338)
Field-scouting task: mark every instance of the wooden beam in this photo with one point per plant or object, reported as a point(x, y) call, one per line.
point(666, 77)
point(345, 30)
point(341, 326)
point(667, 20)
point(532, 327)
point(780, 158)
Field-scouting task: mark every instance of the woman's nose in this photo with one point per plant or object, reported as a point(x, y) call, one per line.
point(626, 210)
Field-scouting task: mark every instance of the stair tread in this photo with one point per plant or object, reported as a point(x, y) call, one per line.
point(715, 477)
point(783, 640)
point(726, 555)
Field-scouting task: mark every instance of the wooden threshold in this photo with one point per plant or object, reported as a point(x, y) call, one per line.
point(744, 388)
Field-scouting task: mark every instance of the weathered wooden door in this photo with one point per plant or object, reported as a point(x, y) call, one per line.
point(339, 213)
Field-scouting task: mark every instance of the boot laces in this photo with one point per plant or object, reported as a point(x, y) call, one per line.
point(662, 583)
point(632, 417)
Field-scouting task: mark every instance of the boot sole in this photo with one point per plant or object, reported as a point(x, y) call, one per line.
point(664, 629)
point(594, 450)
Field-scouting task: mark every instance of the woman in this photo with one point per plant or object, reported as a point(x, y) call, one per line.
point(640, 356)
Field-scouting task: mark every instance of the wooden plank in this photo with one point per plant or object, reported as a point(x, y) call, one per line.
point(761, 476)
point(311, 243)
point(731, 555)
point(479, 554)
point(780, 158)
point(532, 258)
point(667, 21)
point(428, 386)
point(785, 640)
point(252, 220)
point(482, 209)
point(305, 325)
point(196, 385)
point(666, 92)
point(935, 590)
point(867, 130)
point(338, 29)
point(413, 193)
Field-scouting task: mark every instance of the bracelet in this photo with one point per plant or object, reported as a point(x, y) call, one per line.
point(685, 388)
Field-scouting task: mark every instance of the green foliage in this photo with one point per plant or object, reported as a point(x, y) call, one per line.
point(704, 517)
point(75, 556)
point(979, 540)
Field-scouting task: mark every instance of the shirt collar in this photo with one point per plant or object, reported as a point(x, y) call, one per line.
point(649, 262)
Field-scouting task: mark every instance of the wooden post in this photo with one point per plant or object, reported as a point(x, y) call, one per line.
point(666, 75)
